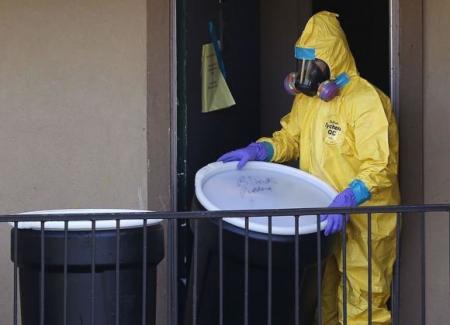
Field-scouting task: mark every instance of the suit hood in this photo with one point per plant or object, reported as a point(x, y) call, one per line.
point(324, 34)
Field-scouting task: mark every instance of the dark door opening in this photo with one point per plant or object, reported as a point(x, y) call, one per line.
point(366, 24)
point(258, 40)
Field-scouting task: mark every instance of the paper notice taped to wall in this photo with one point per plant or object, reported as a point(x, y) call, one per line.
point(215, 92)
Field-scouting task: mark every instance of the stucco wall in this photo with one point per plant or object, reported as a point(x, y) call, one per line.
point(437, 155)
point(73, 121)
point(159, 86)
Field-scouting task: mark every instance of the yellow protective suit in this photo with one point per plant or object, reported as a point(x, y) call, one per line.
point(353, 136)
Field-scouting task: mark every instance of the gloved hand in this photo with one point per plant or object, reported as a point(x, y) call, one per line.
point(345, 199)
point(254, 151)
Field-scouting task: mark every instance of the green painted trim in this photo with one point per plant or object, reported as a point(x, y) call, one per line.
point(182, 202)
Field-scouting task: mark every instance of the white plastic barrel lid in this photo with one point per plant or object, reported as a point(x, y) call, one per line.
point(87, 224)
point(263, 185)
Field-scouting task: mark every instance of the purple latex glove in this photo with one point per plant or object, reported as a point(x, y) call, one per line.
point(335, 222)
point(254, 151)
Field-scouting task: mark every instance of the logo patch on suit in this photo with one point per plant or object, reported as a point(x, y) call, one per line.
point(333, 132)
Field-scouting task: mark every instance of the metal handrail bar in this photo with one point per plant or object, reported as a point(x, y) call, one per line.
point(223, 213)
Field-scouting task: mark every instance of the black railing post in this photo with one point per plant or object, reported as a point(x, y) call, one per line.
point(42, 299)
point(195, 270)
point(144, 272)
point(220, 271)
point(246, 273)
point(422, 266)
point(344, 274)
point(117, 271)
point(66, 226)
point(369, 271)
point(396, 282)
point(93, 246)
point(172, 265)
point(269, 273)
point(297, 275)
point(16, 234)
point(319, 272)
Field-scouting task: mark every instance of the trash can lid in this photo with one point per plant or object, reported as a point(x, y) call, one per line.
point(85, 224)
point(263, 185)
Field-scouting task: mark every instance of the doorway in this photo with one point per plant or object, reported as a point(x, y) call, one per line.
point(258, 53)
point(257, 40)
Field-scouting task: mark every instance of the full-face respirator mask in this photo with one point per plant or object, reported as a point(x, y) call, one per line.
point(313, 77)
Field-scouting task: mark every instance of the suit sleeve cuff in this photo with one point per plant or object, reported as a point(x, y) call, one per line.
point(360, 191)
point(269, 150)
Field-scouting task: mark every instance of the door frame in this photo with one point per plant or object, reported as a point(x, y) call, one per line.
point(406, 92)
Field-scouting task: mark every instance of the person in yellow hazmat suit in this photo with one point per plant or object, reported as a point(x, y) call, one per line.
point(342, 130)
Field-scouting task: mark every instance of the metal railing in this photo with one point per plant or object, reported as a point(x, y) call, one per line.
point(195, 217)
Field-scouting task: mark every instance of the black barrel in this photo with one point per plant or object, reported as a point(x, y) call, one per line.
point(79, 276)
point(283, 276)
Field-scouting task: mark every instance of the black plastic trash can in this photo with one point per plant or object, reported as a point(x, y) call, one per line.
point(283, 276)
point(79, 274)
point(259, 185)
